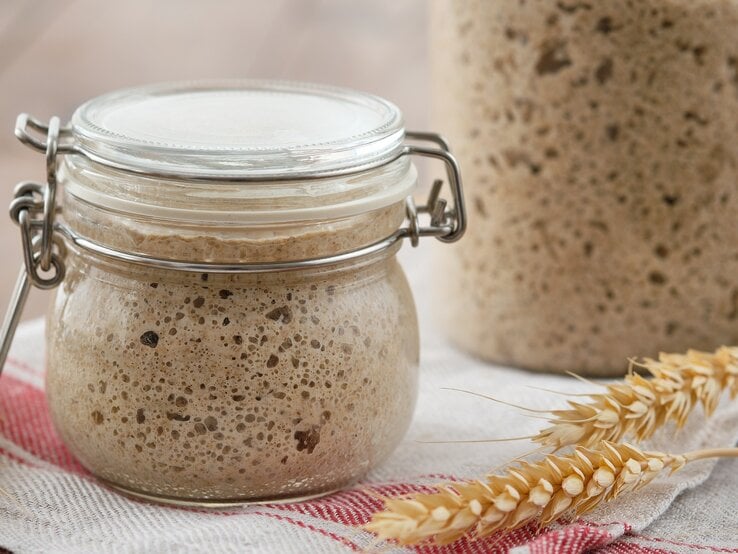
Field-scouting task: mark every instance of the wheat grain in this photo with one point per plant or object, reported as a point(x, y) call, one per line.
point(638, 406)
point(542, 491)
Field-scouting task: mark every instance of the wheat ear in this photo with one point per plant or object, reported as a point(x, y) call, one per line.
point(637, 406)
point(541, 491)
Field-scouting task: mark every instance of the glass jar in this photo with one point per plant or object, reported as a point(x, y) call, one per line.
point(231, 323)
point(599, 143)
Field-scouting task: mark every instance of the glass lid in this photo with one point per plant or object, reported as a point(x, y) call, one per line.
point(239, 130)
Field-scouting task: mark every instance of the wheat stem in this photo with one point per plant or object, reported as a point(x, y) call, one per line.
point(711, 453)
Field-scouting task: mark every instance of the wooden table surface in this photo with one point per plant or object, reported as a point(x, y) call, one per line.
point(54, 54)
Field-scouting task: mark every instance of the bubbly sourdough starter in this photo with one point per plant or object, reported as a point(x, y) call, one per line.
point(599, 146)
point(220, 387)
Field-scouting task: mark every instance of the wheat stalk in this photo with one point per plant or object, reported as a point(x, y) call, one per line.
point(542, 491)
point(638, 406)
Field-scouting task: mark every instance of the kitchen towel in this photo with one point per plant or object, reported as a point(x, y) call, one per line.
point(49, 503)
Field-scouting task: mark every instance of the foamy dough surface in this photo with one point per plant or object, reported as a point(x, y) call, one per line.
point(236, 243)
point(207, 386)
point(598, 146)
point(228, 387)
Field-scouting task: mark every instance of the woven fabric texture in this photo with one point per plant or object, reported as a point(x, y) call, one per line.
point(51, 504)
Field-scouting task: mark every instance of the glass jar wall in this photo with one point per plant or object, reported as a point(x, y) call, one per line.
point(231, 324)
point(207, 387)
point(210, 388)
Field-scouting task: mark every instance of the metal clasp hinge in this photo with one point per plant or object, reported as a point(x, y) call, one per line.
point(33, 209)
point(447, 223)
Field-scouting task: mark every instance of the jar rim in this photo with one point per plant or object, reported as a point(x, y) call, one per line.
point(238, 130)
point(251, 204)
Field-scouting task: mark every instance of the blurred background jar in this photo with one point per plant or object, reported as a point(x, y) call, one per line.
point(599, 146)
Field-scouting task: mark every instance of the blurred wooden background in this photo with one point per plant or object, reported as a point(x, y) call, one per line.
point(54, 54)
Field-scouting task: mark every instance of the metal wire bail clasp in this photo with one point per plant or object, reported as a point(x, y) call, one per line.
point(33, 209)
point(447, 223)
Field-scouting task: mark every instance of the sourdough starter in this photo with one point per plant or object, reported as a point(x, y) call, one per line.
point(599, 146)
point(217, 387)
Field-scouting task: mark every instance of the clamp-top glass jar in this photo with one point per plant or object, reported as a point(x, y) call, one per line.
point(231, 323)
